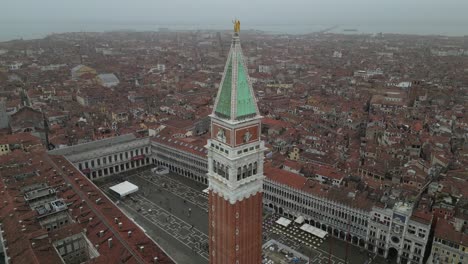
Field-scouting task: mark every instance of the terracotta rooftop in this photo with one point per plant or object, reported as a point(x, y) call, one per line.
point(445, 230)
point(422, 216)
point(329, 172)
point(345, 195)
point(291, 179)
point(89, 209)
point(190, 145)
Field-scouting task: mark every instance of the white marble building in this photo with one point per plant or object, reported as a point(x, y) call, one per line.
point(399, 233)
point(110, 156)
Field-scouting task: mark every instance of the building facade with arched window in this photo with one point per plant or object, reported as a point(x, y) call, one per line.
point(292, 195)
point(180, 157)
point(342, 211)
point(399, 232)
point(107, 157)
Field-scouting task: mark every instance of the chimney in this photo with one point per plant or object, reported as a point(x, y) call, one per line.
point(98, 200)
point(129, 233)
point(109, 241)
point(155, 260)
point(90, 219)
point(101, 233)
point(116, 220)
point(120, 225)
point(81, 209)
point(142, 248)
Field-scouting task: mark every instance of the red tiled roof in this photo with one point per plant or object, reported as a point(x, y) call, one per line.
point(190, 145)
point(329, 172)
point(446, 231)
point(293, 165)
point(422, 216)
point(274, 122)
point(28, 242)
point(338, 194)
point(285, 177)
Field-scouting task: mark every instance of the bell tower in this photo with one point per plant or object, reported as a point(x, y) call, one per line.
point(235, 166)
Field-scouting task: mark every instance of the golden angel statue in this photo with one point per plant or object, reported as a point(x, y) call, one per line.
point(236, 26)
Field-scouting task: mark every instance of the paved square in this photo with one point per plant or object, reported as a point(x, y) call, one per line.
point(179, 207)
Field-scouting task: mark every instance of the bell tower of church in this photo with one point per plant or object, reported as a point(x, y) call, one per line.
point(235, 166)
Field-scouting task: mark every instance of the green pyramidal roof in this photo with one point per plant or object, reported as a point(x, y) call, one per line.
point(223, 108)
point(235, 99)
point(245, 100)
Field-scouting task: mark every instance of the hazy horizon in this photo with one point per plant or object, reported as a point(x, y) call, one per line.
point(28, 18)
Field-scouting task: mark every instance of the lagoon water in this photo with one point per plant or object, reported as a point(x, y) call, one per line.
point(36, 29)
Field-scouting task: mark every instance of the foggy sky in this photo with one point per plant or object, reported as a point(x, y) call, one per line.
point(280, 12)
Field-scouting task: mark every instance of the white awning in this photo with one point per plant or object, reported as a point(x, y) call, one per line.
point(299, 220)
point(314, 231)
point(124, 188)
point(283, 221)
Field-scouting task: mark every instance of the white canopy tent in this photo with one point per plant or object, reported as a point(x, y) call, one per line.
point(299, 220)
point(314, 231)
point(124, 188)
point(283, 221)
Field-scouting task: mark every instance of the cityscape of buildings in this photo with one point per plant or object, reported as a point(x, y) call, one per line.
point(360, 139)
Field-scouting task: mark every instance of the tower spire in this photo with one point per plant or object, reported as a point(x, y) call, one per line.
point(236, 99)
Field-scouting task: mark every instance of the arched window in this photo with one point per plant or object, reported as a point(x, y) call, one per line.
point(226, 172)
point(244, 172)
point(255, 168)
point(239, 173)
point(221, 170)
point(249, 172)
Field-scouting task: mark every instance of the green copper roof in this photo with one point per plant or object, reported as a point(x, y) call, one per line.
point(224, 104)
point(235, 99)
point(245, 101)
